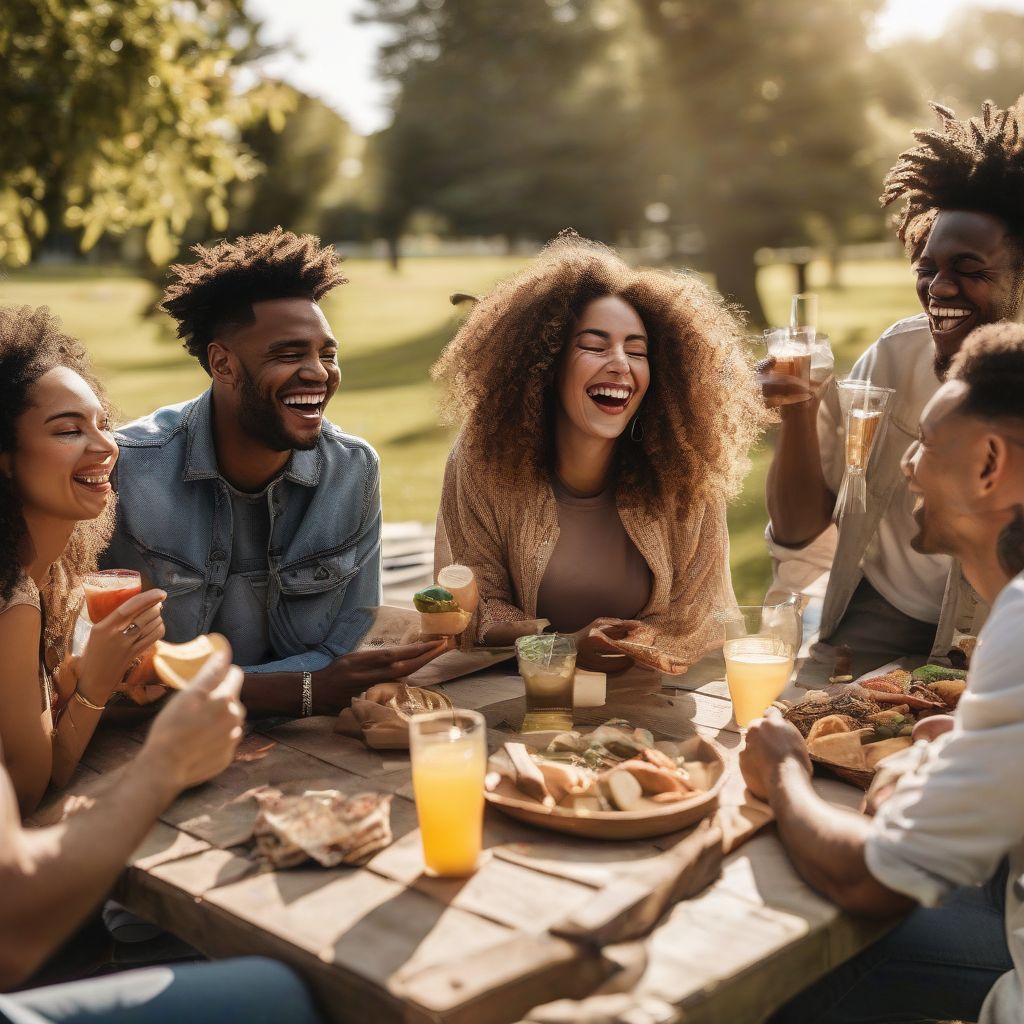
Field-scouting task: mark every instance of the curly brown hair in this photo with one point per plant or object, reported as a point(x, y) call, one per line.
point(976, 164)
point(31, 344)
point(702, 411)
point(220, 287)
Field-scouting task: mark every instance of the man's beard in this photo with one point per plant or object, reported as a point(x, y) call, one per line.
point(260, 418)
point(941, 364)
point(1010, 545)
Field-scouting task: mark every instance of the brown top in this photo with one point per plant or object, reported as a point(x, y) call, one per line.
point(506, 535)
point(595, 569)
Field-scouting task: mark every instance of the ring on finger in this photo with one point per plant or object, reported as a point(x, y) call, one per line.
point(129, 629)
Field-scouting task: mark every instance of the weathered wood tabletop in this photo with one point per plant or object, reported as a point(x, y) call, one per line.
point(387, 943)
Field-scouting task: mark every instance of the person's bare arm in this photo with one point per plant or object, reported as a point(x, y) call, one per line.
point(799, 500)
point(825, 843)
point(334, 686)
point(52, 877)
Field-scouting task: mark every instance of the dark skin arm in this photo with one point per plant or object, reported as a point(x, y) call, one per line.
point(334, 686)
point(799, 501)
point(825, 843)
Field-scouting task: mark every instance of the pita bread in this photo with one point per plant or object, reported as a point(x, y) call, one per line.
point(874, 752)
point(841, 748)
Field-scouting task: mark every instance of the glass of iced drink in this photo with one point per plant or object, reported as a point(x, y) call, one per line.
point(109, 589)
point(865, 407)
point(547, 663)
point(790, 351)
point(449, 761)
point(759, 655)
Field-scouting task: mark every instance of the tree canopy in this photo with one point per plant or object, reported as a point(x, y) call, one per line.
point(124, 115)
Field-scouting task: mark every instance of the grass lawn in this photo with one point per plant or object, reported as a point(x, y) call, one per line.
point(391, 328)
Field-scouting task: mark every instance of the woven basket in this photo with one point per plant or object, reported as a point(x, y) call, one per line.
point(859, 777)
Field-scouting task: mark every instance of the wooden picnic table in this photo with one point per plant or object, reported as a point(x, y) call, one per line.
point(386, 943)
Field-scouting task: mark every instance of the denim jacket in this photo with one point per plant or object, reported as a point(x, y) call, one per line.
point(174, 526)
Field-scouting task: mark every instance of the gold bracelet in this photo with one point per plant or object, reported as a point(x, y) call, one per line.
point(88, 703)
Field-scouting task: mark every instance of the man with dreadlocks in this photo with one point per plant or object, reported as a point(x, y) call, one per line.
point(260, 518)
point(963, 226)
point(946, 841)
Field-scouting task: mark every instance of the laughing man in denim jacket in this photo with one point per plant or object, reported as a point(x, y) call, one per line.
point(261, 519)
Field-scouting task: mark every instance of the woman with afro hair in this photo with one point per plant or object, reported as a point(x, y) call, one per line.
point(56, 514)
point(606, 417)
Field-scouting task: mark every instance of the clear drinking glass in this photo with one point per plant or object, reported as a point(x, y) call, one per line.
point(760, 647)
point(547, 663)
point(803, 311)
point(109, 589)
point(449, 761)
point(865, 408)
point(791, 352)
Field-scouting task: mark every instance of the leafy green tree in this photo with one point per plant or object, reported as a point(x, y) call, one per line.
point(124, 115)
point(303, 162)
point(512, 119)
point(978, 58)
point(765, 109)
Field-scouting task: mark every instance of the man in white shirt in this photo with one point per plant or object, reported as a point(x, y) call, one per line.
point(958, 809)
point(963, 223)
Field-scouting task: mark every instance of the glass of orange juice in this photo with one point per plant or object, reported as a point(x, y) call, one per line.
point(109, 589)
point(760, 646)
point(449, 761)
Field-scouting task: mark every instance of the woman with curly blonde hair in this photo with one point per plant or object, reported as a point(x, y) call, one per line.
point(56, 456)
point(606, 418)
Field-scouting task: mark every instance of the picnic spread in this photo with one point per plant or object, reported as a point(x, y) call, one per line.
point(307, 849)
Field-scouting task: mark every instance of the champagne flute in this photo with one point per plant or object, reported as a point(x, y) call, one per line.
point(865, 408)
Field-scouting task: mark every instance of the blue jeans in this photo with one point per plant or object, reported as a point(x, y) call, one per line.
point(253, 990)
point(937, 965)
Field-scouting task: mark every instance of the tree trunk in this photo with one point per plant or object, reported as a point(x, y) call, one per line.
point(394, 251)
point(732, 262)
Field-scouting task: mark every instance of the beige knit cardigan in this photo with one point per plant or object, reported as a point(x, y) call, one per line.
point(506, 536)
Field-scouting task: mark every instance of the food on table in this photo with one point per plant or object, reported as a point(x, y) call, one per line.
point(385, 726)
point(830, 724)
point(843, 671)
point(612, 768)
point(877, 715)
point(460, 582)
point(950, 690)
point(645, 647)
point(440, 612)
point(177, 664)
point(528, 776)
point(874, 752)
point(929, 674)
point(435, 600)
point(589, 689)
point(322, 825)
